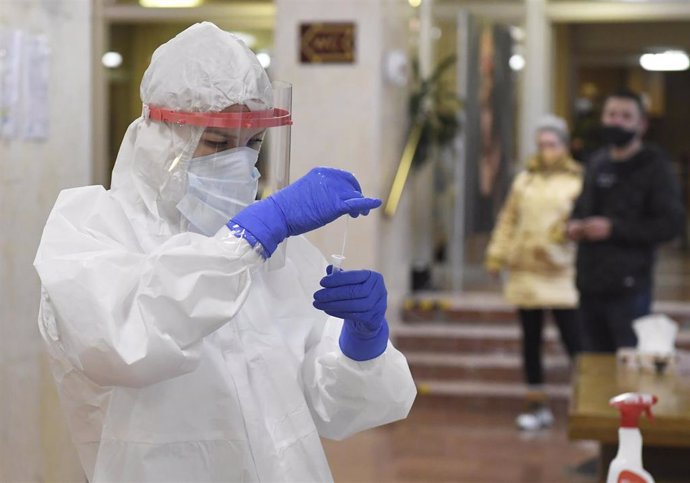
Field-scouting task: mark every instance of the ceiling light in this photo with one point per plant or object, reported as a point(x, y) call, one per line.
point(517, 33)
point(517, 62)
point(671, 60)
point(415, 3)
point(112, 60)
point(170, 3)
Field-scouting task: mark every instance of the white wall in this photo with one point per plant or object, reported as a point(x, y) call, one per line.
point(347, 116)
point(33, 444)
point(394, 237)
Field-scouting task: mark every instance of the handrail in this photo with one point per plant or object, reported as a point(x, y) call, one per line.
point(403, 171)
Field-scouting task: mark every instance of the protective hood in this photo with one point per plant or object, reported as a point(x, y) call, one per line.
point(203, 69)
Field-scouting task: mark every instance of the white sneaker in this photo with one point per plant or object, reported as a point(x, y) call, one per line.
point(535, 420)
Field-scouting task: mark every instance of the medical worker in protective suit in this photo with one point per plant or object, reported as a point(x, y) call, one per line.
point(179, 355)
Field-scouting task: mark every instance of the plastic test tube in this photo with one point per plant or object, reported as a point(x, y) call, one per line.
point(337, 262)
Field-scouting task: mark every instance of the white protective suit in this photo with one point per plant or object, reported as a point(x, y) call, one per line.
point(178, 358)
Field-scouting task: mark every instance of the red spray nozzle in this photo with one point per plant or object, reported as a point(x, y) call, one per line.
point(632, 405)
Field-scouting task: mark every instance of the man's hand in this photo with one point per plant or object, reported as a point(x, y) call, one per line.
point(597, 228)
point(575, 230)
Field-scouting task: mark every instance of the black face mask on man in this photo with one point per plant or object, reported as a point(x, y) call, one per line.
point(617, 136)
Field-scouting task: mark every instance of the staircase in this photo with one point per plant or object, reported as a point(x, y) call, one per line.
point(468, 345)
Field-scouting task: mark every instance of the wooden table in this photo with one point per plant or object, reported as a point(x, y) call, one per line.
point(598, 378)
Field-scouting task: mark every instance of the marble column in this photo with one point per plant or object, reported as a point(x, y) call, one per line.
point(537, 81)
point(350, 116)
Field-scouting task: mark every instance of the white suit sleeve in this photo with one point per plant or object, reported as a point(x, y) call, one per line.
point(346, 396)
point(125, 317)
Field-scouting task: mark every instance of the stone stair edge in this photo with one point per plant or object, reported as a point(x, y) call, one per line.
point(479, 361)
point(481, 331)
point(486, 389)
point(495, 303)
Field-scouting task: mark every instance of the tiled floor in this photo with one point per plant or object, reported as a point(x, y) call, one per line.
point(463, 441)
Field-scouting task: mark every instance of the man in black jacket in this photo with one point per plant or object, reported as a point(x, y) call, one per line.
point(630, 203)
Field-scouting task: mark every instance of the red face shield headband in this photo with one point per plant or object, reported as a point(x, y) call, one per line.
point(238, 120)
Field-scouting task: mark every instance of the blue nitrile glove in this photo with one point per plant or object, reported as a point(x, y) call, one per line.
point(358, 297)
point(316, 199)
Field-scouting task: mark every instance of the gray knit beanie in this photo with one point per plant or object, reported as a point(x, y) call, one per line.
point(556, 125)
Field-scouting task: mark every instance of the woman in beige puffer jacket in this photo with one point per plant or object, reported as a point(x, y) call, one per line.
point(529, 243)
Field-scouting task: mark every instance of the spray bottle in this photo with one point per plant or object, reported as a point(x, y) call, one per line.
point(626, 467)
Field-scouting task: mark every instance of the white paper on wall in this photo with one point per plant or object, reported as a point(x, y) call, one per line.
point(11, 57)
point(36, 87)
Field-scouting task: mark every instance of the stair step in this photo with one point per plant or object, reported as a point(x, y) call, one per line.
point(499, 368)
point(491, 307)
point(458, 316)
point(451, 307)
point(480, 361)
point(486, 389)
point(480, 338)
point(440, 337)
point(473, 331)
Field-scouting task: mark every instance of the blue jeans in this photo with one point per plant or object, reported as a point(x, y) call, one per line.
point(607, 319)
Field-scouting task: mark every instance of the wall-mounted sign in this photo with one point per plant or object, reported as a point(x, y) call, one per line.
point(327, 43)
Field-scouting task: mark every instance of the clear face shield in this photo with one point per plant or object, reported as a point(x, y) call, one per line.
point(217, 163)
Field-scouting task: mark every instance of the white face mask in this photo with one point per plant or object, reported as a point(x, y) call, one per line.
point(219, 186)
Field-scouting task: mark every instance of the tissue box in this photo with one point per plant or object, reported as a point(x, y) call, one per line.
point(656, 351)
point(656, 334)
